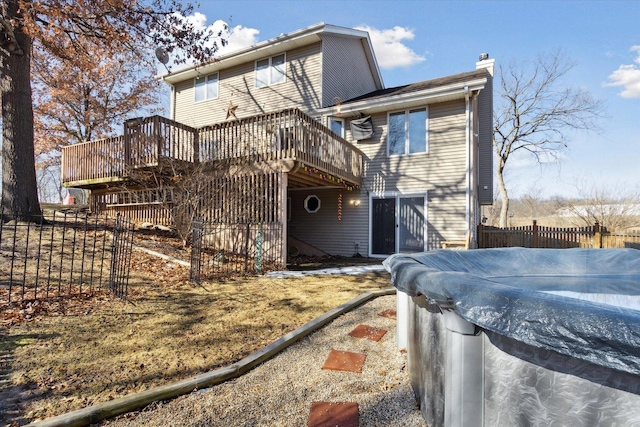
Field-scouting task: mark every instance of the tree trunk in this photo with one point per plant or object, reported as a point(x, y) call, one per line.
point(504, 208)
point(19, 186)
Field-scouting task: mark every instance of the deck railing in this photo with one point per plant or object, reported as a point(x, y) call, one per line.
point(289, 134)
point(94, 160)
point(285, 135)
point(150, 139)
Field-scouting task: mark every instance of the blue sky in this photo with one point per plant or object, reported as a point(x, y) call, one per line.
point(419, 40)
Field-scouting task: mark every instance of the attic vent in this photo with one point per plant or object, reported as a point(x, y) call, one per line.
point(484, 56)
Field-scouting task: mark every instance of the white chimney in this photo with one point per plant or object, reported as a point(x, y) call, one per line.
point(485, 62)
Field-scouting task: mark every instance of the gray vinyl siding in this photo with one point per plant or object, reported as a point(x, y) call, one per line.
point(301, 89)
point(441, 171)
point(346, 73)
point(323, 229)
point(485, 131)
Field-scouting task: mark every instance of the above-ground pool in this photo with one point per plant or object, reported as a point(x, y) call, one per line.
point(514, 336)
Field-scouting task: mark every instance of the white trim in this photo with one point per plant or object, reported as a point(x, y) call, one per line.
point(172, 102)
point(270, 70)
point(274, 46)
point(428, 96)
point(407, 142)
point(306, 204)
point(467, 112)
point(337, 119)
point(206, 83)
point(397, 195)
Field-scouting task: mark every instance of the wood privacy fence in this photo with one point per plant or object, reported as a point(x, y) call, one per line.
point(535, 236)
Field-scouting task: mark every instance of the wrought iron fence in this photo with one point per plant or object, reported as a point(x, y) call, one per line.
point(63, 253)
point(221, 251)
point(121, 247)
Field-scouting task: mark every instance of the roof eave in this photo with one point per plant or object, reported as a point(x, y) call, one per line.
point(387, 103)
point(269, 47)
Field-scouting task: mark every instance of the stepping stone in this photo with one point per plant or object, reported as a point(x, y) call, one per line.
point(390, 313)
point(337, 414)
point(344, 361)
point(369, 332)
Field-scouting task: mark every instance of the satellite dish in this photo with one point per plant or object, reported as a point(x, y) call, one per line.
point(162, 55)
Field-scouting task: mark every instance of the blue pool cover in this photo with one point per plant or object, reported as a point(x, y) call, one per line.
point(584, 303)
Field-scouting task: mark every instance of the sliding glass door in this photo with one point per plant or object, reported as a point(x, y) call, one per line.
point(397, 224)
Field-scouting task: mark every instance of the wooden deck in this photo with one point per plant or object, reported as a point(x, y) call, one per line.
point(309, 152)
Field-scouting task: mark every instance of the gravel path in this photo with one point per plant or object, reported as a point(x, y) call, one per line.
point(280, 391)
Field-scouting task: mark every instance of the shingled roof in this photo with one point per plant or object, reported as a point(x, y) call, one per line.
point(421, 86)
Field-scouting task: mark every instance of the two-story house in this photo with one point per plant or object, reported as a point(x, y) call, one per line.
point(314, 142)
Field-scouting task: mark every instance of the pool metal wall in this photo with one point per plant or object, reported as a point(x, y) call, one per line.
point(480, 378)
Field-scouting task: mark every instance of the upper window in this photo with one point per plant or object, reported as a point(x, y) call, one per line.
point(270, 71)
point(337, 126)
point(206, 87)
point(407, 132)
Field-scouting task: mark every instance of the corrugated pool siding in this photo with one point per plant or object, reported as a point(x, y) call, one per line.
point(345, 70)
point(237, 85)
point(323, 229)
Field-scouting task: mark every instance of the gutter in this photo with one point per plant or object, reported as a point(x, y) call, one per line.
point(468, 126)
point(393, 100)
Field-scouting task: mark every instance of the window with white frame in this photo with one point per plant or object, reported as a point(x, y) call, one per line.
point(407, 132)
point(206, 87)
point(337, 126)
point(270, 71)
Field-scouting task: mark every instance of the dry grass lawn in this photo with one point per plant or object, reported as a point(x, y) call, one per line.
point(170, 329)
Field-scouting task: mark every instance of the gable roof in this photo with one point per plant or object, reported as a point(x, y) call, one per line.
point(275, 46)
point(434, 90)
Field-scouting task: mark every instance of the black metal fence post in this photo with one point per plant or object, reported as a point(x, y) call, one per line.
point(197, 235)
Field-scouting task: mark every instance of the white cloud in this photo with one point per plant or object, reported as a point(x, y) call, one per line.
point(628, 76)
point(239, 38)
point(236, 38)
point(391, 52)
point(198, 20)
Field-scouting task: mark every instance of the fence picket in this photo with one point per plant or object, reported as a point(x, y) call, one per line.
point(535, 236)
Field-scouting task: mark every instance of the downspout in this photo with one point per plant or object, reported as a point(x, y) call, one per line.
point(172, 100)
point(467, 215)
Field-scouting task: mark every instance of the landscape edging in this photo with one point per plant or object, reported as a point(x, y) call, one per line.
point(119, 406)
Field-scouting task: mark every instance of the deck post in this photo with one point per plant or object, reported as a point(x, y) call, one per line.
point(155, 133)
point(597, 236)
point(282, 207)
point(127, 144)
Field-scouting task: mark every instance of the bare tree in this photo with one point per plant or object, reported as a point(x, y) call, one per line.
point(531, 201)
point(536, 111)
point(616, 207)
point(64, 30)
